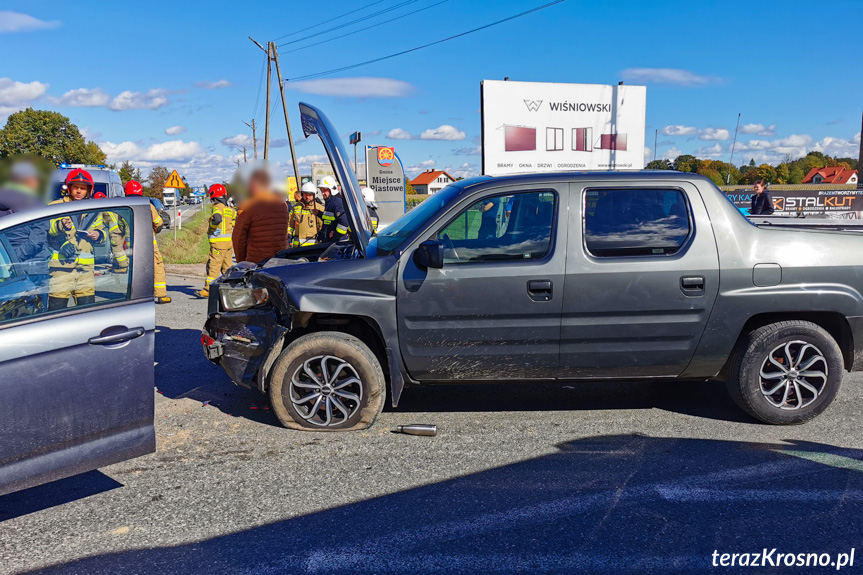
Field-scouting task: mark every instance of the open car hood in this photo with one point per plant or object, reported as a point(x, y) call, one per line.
point(315, 122)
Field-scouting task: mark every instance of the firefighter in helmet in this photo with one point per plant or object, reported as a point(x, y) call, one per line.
point(334, 218)
point(219, 234)
point(305, 224)
point(369, 197)
point(117, 235)
point(72, 238)
point(160, 287)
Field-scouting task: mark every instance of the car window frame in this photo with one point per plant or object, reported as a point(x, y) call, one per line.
point(681, 250)
point(34, 216)
point(463, 207)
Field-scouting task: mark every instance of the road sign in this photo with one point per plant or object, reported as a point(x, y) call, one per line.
point(175, 181)
point(356, 137)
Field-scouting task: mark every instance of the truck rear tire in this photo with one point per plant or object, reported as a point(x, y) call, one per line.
point(785, 373)
point(327, 381)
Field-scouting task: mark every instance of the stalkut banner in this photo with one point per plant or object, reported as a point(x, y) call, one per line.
point(386, 176)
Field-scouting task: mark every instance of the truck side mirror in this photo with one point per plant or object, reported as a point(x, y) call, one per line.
point(429, 254)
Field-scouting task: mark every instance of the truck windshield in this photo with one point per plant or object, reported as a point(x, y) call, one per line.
point(395, 233)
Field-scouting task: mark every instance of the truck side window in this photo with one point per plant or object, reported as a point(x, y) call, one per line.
point(508, 227)
point(635, 222)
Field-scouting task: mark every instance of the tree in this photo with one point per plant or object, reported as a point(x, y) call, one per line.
point(157, 178)
point(129, 172)
point(687, 163)
point(409, 189)
point(783, 174)
point(796, 174)
point(659, 165)
point(47, 134)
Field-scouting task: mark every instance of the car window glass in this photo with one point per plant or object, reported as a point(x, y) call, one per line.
point(635, 222)
point(81, 258)
point(506, 227)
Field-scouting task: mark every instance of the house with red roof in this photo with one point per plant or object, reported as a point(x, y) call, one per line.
point(831, 175)
point(431, 181)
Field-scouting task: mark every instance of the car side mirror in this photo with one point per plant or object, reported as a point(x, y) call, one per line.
point(429, 254)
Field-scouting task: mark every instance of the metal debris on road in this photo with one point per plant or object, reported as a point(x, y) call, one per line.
point(417, 429)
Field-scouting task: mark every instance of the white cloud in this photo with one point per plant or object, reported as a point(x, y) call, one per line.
point(442, 132)
point(679, 130)
point(239, 140)
point(84, 98)
point(670, 154)
point(837, 147)
point(399, 134)
point(415, 169)
point(713, 151)
point(466, 170)
point(648, 154)
point(758, 129)
point(359, 87)
point(18, 22)
point(174, 150)
point(713, 134)
point(16, 96)
point(673, 76)
point(477, 151)
point(175, 130)
point(150, 100)
point(213, 85)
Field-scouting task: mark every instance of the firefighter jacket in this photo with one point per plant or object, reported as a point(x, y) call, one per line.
point(221, 225)
point(304, 225)
point(335, 221)
point(71, 248)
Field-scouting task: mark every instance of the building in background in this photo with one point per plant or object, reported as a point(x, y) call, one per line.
point(431, 181)
point(831, 175)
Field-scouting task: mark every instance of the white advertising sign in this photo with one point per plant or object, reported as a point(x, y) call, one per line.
point(386, 177)
point(549, 127)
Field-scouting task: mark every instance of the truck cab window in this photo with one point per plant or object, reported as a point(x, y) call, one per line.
point(635, 222)
point(507, 227)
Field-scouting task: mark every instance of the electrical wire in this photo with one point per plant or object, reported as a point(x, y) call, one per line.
point(329, 20)
point(351, 23)
point(366, 28)
point(357, 65)
point(260, 87)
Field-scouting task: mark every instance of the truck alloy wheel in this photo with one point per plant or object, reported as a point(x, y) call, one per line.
point(786, 372)
point(327, 381)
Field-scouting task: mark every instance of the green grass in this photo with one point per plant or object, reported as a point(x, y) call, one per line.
point(191, 245)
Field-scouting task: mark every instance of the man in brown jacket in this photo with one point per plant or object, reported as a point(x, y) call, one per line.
point(259, 232)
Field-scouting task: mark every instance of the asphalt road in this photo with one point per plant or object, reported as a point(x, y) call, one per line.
point(186, 211)
point(596, 478)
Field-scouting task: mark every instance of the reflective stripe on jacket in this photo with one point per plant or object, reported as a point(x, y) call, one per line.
point(220, 233)
point(58, 236)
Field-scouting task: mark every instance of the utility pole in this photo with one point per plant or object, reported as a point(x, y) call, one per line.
point(860, 160)
point(269, 52)
point(243, 149)
point(254, 137)
point(733, 145)
point(285, 110)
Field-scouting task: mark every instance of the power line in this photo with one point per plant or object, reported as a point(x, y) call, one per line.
point(366, 28)
point(343, 68)
point(351, 23)
point(328, 20)
point(260, 86)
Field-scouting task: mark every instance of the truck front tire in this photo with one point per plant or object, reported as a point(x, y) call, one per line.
point(327, 381)
point(785, 373)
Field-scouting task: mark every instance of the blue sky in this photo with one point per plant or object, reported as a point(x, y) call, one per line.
point(170, 83)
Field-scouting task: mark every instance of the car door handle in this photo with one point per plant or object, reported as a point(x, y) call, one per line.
point(692, 285)
point(117, 337)
point(539, 290)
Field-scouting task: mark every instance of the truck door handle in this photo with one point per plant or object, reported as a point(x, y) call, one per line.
point(539, 290)
point(692, 285)
point(115, 338)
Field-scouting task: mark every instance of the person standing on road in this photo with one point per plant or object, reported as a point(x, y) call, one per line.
point(335, 221)
point(160, 285)
point(117, 235)
point(305, 224)
point(220, 236)
point(369, 197)
point(762, 203)
point(260, 228)
point(21, 192)
point(30, 243)
point(72, 265)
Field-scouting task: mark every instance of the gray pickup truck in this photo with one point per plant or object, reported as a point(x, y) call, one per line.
point(570, 277)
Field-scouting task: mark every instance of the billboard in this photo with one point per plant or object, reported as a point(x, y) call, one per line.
point(386, 177)
point(838, 204)
point(549, 127)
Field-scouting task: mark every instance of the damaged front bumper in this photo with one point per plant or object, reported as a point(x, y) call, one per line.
point(245, 343)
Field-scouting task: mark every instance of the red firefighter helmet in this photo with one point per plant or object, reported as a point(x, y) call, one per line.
point(218, 191)
point(99, 196)
point(79, 176)
point(134, 188)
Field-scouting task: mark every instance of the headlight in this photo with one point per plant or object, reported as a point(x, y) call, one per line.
point(237, 299)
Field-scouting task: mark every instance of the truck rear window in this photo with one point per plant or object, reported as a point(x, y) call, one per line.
point(635, 222)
